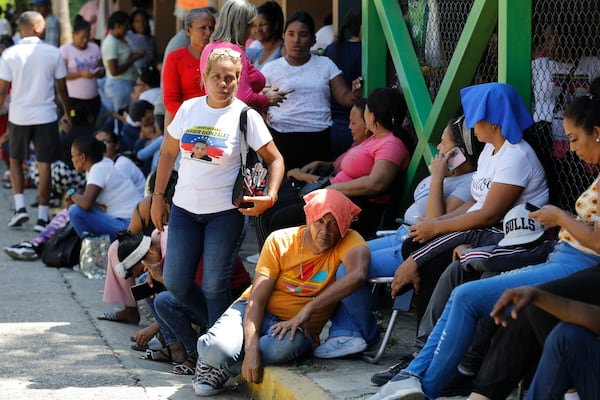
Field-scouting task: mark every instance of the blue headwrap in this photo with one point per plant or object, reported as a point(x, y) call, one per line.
point(498, 104)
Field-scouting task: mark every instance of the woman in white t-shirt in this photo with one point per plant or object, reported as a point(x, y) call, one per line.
point(203, 219)
point(508, 173)
point(301, 124)
point(106, 204)
point(84, 67)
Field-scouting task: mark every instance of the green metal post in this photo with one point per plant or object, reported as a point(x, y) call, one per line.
point(514, 45)
point(373, 49)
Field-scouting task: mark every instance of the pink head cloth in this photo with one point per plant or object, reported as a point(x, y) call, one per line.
point(215, 45)
point(323, 201)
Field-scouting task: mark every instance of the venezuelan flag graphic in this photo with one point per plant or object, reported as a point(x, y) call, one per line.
point(214, 138)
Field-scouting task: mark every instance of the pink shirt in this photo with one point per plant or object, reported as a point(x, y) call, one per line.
point(359, 160)
point(81, 60)
point(252, 81)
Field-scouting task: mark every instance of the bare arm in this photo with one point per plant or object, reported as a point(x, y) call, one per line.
point(343, 94)
point(262, 287)
point(587, 235)
point(567, 310)
point(87, 199)
point(117, 69)
point(168, 153)
point(4, 85)
point(377, 182)
point(497, 202)
point(357, 265)
point(436, 206)
point(63, 95)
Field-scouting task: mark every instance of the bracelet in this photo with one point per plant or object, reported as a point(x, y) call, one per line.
point(158, 194)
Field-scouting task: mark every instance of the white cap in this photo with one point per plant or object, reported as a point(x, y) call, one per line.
point(519, 228)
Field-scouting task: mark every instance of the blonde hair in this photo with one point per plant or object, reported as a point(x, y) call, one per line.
point(234, 18)
point(224, 53)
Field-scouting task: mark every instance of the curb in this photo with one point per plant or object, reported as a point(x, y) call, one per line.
point(281, 383)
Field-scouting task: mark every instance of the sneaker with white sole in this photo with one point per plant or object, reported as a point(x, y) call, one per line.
point(340, 346)
point(19, 218)
point(253, 258)
point(208, 380)
point(25, 251)
point(401, 387)
point(40, 225)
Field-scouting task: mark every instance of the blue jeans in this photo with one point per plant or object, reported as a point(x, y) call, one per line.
point(191, 235)
point(96, 222)
point(455, 329)
point(571, 358)
point(223, 345)
point(175, 321)
point(118, 91)
point(354, 315)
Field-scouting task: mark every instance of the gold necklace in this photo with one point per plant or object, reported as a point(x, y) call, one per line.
point(301, 251)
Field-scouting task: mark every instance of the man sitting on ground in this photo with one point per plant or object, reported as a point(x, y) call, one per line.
point(293, 294)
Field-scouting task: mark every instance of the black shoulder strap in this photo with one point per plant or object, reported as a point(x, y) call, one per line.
point(243, 128)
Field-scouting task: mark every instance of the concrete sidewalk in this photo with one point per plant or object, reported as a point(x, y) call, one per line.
point(53, 347)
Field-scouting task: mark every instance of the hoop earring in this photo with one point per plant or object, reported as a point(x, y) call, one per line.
point(598, 140)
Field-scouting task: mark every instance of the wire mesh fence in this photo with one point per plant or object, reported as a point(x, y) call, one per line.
point(564, 57)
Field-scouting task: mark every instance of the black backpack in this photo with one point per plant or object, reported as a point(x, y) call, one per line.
point(62, 250)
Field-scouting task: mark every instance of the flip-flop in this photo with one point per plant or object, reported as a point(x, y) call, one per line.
point(159, 355)
point(137, 347)
point(188, 367)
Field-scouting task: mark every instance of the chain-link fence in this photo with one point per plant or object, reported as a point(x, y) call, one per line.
point(565, 49)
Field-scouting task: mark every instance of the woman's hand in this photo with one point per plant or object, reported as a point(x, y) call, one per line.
point(439, 167)
point(143, 336)
point(549, 215)
point(406, 274)
point(157, 212)
point(356, 87)
point(424, 231)
point(155, 272)
point(460, 250)
point(275, 96)
point(312, 167)
point(260, 204)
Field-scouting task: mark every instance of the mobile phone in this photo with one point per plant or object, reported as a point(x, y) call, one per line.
point(531, 207)
point(144, 290)
point(71, 192)
point(455, 158)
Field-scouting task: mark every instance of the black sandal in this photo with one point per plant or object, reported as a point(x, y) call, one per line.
point(158, 355)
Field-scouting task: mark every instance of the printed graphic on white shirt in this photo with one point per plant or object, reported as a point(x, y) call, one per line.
point(204, 143)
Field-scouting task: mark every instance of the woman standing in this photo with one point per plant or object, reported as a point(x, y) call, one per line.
point(235, 24)
point(84, 66)
point(202, 212)
point(181, 76)
point(119, 61)
point(268, 28)
point(109, 197)
point(301, 124)
point(140, 39)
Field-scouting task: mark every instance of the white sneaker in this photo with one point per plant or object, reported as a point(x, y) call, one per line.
point(401, 387)
point(208, 380)
point(25, 251)
point(253, 258)
point(340, 346)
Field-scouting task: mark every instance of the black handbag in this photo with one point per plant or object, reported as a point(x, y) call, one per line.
point(309, 187)
point(252, 176)
point(62, 250)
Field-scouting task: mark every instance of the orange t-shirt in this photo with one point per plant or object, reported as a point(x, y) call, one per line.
point(299, 274)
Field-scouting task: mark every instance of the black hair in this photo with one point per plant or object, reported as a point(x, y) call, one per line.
point(138, 109)
point(79, 24)
point(128, 242)
point(169, 189)
point(140, 11)
point(350, 27)
point(302, 17)
point(584, 111)
point(361, 104)
point(455, 127)
point(90, 147)
point(273, 13)
point(111, 134)
point(389, 110)
point(150, 76)
point(118, 17)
